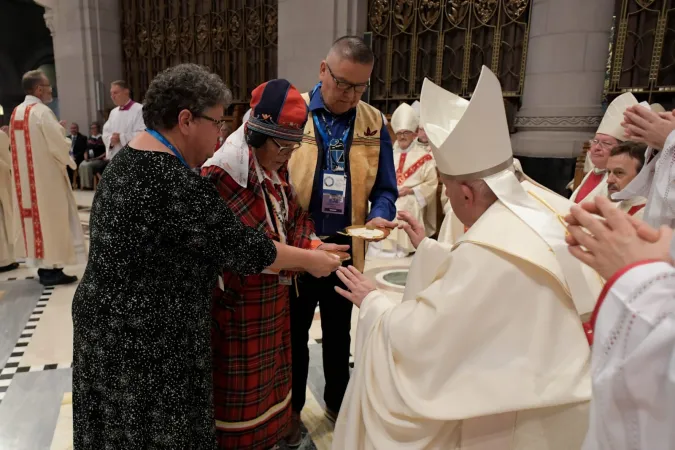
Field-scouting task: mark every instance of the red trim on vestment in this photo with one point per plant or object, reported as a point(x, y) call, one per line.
point(589, 327)
point(32, 212)
point(401, 176)
point(635, 209)
point(591, 183)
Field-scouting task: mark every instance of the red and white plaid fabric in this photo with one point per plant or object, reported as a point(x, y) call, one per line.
point(251, 337)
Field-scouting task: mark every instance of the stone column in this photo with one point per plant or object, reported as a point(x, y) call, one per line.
point(87, 55)
point(307, 28)
point(566, 62)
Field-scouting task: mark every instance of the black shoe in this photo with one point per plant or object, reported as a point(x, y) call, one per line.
point(12, 266)
point(55, 277)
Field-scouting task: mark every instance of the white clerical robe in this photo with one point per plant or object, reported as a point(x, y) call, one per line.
point(654, 182)
point(418, 172)
point(599, 189)
point(127, 121)
point(6, 208)
point(635, 206)
point(47, 225)
point(486, 351)
point(633, 362)
point(452, 229)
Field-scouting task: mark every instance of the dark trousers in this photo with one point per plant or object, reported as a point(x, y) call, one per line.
point(336, 314)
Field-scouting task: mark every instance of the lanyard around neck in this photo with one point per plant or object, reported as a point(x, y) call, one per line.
point(167, 144)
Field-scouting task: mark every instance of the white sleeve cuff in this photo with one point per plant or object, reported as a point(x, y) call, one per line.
point(420, 198)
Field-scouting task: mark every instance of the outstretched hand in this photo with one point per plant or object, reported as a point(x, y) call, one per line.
point(612, 244)
point(358, 285)
point(379, 222)
point(412, 227)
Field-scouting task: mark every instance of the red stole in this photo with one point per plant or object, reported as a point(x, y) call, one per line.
point(32, 213)
point(635, 209)
point(591, 183)
point(402, 176)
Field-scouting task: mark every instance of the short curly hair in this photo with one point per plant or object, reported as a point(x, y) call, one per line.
point(185, 86)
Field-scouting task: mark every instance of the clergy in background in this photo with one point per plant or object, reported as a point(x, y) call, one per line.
point(7, 261)
point(46, 218)
point(623, 165)
point(124, 122)
point(487, 349)
point(416, 179)
point(609, 135)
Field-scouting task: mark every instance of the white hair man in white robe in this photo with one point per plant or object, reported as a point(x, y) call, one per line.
point(609, 135)
point(655, 128)
point(47, 222)
point(487, 349)
point(633, 325)
point(7, 261)
point(416, 179)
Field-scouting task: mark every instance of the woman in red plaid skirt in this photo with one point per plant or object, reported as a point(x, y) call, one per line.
point(251, 337)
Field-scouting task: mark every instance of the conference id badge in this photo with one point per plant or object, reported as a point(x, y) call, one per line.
point(333, 193)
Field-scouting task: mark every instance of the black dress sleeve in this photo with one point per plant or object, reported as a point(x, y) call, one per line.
point(215, 231)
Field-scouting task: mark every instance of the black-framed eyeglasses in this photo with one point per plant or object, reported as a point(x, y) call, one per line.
point(345, 85)
point(220, 123)
point(287, 149)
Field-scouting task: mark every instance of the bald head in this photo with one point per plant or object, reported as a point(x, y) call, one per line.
point(353, 49)
point(469, 199)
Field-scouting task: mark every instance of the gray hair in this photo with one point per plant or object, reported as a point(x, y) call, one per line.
point(185, 86)
point(484, 194)
point(354, 49)
point(31, 80)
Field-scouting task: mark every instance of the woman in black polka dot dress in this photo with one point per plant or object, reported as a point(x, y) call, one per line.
point(160, 235)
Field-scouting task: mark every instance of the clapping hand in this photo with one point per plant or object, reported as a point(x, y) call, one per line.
point(644, 125)
point(358, 285)
point(412, 227)
point(617, 242)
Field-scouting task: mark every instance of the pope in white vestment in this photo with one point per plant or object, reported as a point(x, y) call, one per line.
point(416, 179)
point(47, 224)
point(487, 350)
point(6, 209)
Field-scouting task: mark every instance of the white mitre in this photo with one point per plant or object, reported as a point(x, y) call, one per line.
point(404, 119)
point(611, 122)
point(471, 141)
point(416, 106)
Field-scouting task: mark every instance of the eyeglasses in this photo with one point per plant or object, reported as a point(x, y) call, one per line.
point(404, 134)
point(345, 85)
point(603, 144)
point(287, 149)
point(220, 123)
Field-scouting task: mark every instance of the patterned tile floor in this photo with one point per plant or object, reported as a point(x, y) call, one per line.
point(36, 359)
